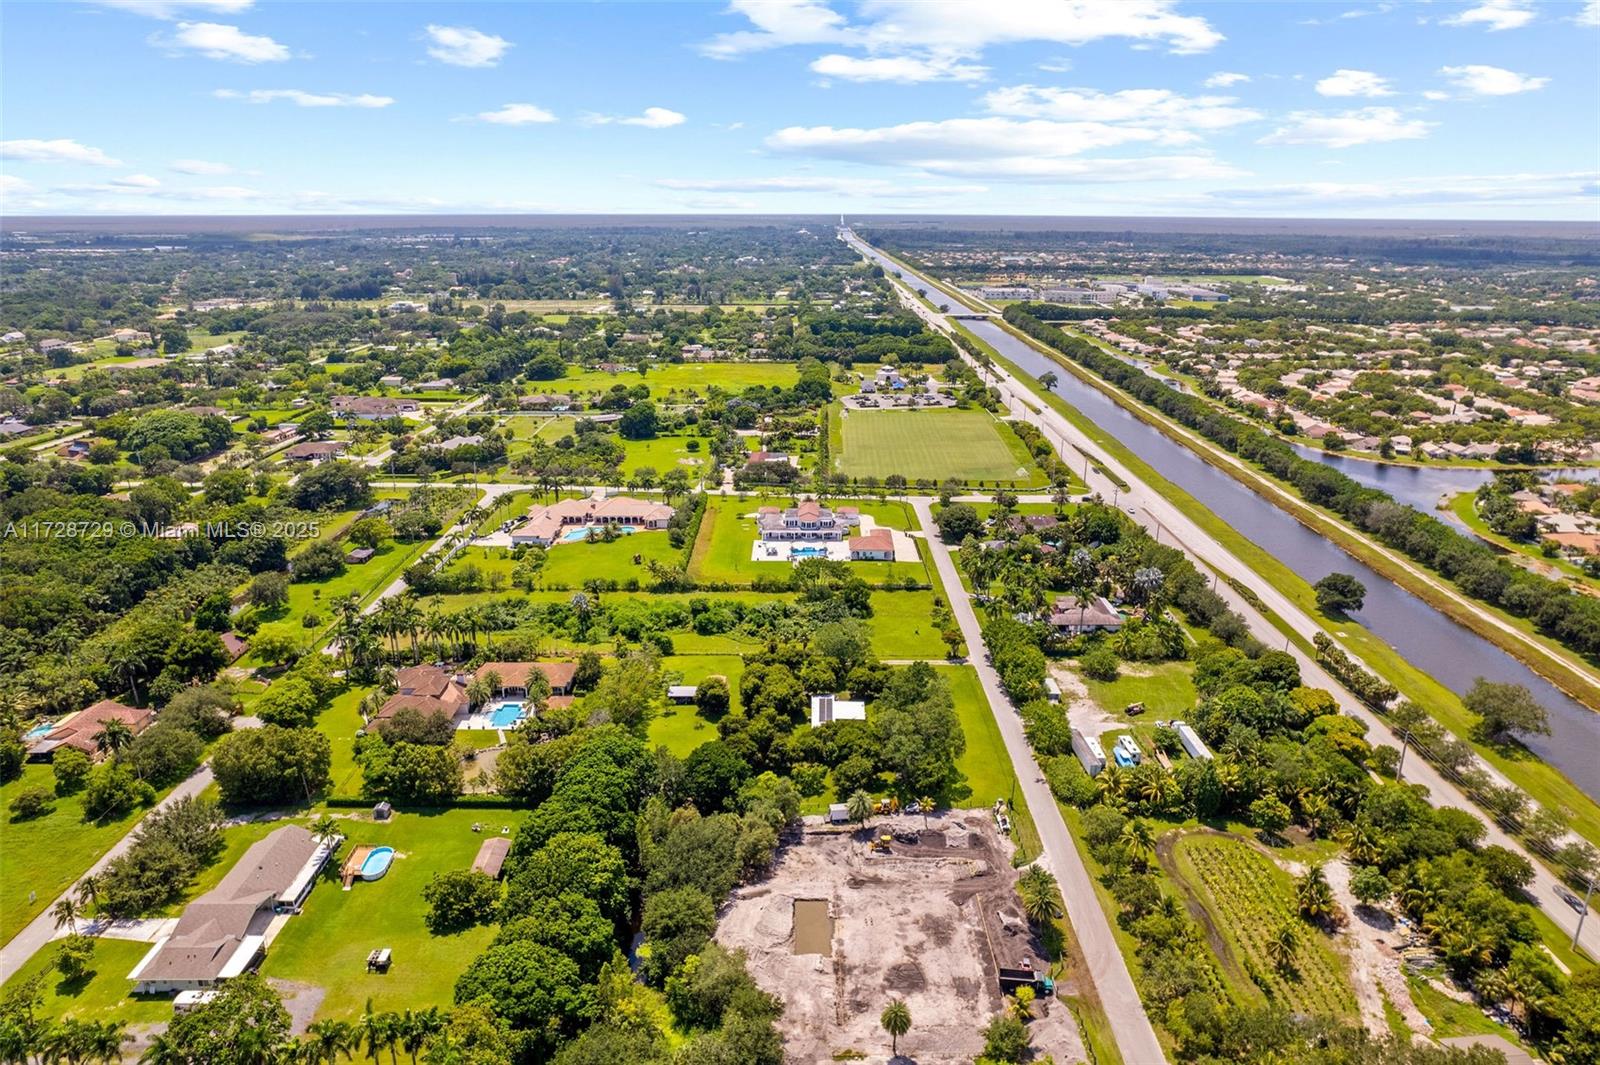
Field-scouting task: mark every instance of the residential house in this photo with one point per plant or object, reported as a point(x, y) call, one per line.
point(223, 932)
point(514, 677)
point(316, 450)
point(427, 689)
point(374, 407)
point(808, 521)
point(1072, 617)
point(81, 729)
point(875, 546)
point(545, 523)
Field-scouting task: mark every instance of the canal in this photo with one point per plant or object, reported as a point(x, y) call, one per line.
point(1430, 641)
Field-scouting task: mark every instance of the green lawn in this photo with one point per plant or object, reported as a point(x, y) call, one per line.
point(681, 728)
point(1166, 689)
point(986, 766)
point(42, 857)
point(686, 377)
point(665, 453)
point(327, 944)
point(572, 564)
point(728, 532)
point(936, 444)
point(104, 995)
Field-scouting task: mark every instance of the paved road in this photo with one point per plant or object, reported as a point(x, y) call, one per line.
point(42, 928)
point(1135, 1036)
point(1173, 527)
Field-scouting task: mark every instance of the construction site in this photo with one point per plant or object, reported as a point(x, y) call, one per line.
point(851, 918)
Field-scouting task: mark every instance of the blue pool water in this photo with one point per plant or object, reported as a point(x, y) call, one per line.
point(376, 863)
point(808, 552)
point(39, 730)
point(579, 533)
point(506, 714)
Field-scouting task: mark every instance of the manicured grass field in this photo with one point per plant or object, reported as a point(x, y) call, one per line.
point(42, 857)
point(327, 944)
point(665, 453)
point(572, 564)
point(1249, 899)
point(935, 444)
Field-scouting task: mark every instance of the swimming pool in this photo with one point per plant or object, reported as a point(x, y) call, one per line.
point(39, 730)
point(376, 863)
point(507, 714)
point(808, 552)
point(579, 533)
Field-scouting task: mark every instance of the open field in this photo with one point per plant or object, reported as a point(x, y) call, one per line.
point(682, 728)
point(1165, 689)
point(683, 377)
point(569, 565)
point(326, 945)
point(102, 995)
point(986, 767)
point(934, 444)
point(1247, 898)
point(927, 922)
point(57, 848)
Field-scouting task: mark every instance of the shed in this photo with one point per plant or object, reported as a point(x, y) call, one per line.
point(492, 856)
point(382, 812)
point(359, 556)
point(838, 813)
point(681, 693)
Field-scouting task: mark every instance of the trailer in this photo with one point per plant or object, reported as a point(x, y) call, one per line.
point(1191, 740)
point(1089, 752)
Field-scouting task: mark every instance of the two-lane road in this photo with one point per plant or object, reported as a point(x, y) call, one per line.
point(1135, 1036)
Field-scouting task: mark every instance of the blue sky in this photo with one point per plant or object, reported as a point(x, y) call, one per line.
point(1474, 109)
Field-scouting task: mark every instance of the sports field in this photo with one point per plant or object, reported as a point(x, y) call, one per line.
point(933, 443)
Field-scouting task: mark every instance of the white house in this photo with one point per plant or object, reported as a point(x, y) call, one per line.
point(826, 708)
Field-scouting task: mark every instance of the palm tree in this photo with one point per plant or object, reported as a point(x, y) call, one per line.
point(1021, 1003)
point(926, 802)
point(1040, 895)
point(1314, 896)
point(323, 827)
point(1111, 782)
point(113, 737)
point(1361, 843)
point(896, 1020)
point(163, 1051)
point(859, 806)
point(88, 891)
point(1282, 945)
point(65, 912)
point(1139, 841)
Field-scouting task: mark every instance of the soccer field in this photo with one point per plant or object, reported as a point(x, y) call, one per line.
point(934, 443)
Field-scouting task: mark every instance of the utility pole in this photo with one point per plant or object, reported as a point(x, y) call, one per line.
point(1587, 895)
point(1405, 744)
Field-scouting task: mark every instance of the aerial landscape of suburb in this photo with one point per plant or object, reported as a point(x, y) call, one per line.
point(791, 532)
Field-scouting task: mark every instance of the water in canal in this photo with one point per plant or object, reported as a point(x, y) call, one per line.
point(1428, 639)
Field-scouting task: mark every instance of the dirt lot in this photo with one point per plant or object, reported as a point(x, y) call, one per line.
point(916, 923)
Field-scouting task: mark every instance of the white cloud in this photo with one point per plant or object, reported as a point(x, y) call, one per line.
point(1345, 82)
point(1435, 95)
point(136, 181)
point(301, 98)
point(11, 185)
point(1001, 148)
point(1484, 189)
point(875, 188)
point(463, 46)
point(650, 118)
point(1159, 108)
point(1347, 129)
point(171, 9)
point(61, 150)
point(960, 27)
point(516, 115)
point(216, 41)
point(1480, 80)
point(1589, 15)
point(905, 69)
point(1224, 78)
point(1494, 15)
point(199, 166)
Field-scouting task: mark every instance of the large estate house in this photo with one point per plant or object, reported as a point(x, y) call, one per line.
point(82, 730)
point(1071, 616)
point(808, 521)
point(223, 932)
point(428, 690)
point(376, 407)
point(514, 678)
point(545, 524)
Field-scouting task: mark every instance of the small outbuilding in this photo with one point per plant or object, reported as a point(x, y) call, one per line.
point(492, 856)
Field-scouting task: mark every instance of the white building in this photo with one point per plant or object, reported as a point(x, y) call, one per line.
point(826, 708)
